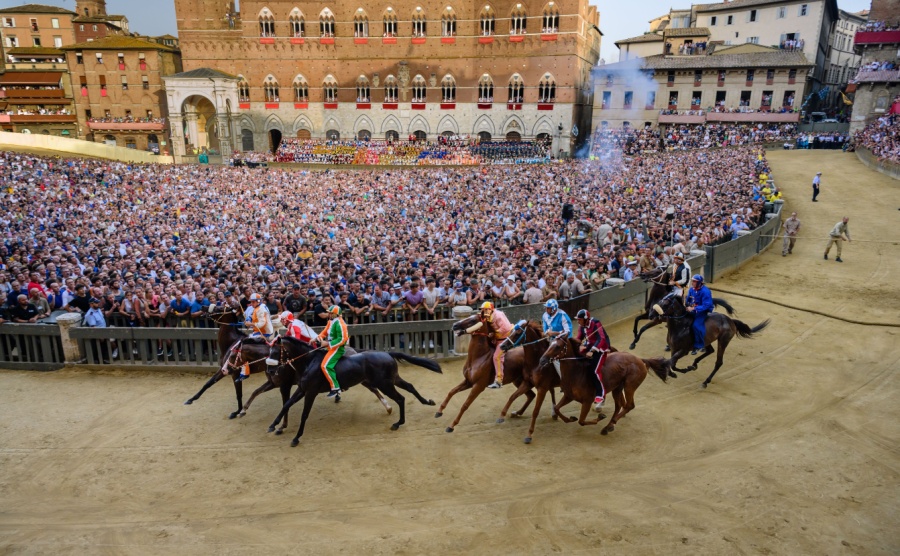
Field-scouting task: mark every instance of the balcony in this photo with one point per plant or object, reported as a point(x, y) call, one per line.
point(326, 40)
point(516, 38)
point(272, 105)
point(389, 40)
point(485, 40)
point(390, 106)
point(788, 117)
point(485, 105)
point(360, 40)
point(301, 106)
point(542, 106)
point(38, 118)
point(448, 106)
point(331, 106)
point(363, 105)
point(244, 105)
point(417, 105)
point(297, 40)
point(14, 95)
point(267, 40)
point(877, 37)
point(448, 40)
point(418, 40)
point(513, 105)
point(126, 126)
point(877, 76)
point(683, 118)
point(549, 36)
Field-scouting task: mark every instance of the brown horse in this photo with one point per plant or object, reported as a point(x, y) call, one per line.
point(719, 328)
point(478, 371)
point(660, 289)
point(622, 372)
point(530, 336)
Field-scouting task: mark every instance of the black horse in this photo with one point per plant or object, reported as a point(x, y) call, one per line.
point(719, 328)
point(375, 369)
point(660, 289)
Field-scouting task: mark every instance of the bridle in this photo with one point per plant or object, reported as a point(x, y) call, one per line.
point(217, 316)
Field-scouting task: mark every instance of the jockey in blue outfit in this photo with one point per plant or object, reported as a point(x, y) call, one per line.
point(700, 303)
point(555, 320)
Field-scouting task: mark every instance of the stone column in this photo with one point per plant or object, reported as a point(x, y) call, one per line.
point(193, 131)
point(462, 342)
point(71, 349)
point(176, 135)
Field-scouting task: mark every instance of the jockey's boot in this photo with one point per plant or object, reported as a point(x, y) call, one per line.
point(496, 384)
point(334, 392)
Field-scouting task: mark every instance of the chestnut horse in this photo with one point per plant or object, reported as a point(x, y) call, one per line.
point(530, 336)
point(622, 373)
point(478, 371)
point(719, 328)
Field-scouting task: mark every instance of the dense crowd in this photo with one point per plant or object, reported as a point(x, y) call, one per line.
point(163, 243)
point(445, 151)
point(704, 136)
point(882, 137)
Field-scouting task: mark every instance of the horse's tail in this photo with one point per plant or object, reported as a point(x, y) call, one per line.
point(429, 364)
point(659, 366)
point(744, 330)
point(718, 302)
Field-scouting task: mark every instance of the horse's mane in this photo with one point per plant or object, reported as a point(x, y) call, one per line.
point(296, 341)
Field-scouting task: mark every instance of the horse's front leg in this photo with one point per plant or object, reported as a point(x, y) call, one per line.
point(634, 332)
point(524, 386)
point(239, 394)
point(674, 360)
point(268, 385)
point(213, 379)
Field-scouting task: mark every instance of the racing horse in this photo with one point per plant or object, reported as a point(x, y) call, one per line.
point(660, 289)
point(530, 336)
point(719, 328)
point(622, 373)
point(234, 351)
point(478, 370)
point(375, 369)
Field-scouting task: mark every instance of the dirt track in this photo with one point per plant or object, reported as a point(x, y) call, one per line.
point(792, 450)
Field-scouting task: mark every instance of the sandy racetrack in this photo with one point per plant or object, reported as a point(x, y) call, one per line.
point(792, 450)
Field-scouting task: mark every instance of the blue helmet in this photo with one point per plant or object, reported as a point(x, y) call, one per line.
point(698, 278)
point(552, 305)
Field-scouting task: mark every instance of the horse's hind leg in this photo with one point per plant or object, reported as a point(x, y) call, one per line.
point(522, 388)
point(723, 343)
point(307, 407)
point(566, 399)
point(534, 414)
point(706, 353)
point(640, 333)
point(618, 412)
point(378, 395)
point(285, 390)
point(400, 383)
point(391, 392)
point(269, 385)
point(529, 397)
point(239, 394)
point(286, 407)
point(634, 332)
point(214, 379)
point(464, 385)
point(477, 389)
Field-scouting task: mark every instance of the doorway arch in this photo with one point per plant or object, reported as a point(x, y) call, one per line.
point(514, 136)
point(274, 139)
point(484, 136)
point(246, 140)
point(304, 134)
point(200, 124)
point(333, 135)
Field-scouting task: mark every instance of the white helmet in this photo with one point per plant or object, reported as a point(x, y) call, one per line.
point(255, 297)
point(286, 316)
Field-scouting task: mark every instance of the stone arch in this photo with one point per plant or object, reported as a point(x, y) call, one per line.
point(363, 122)
point(302, 122)
point(274, 122)
point(447, 123)
point(391, 123)
point(419, 123)
point(543, 125)
point(332, 123)
point(247, 123)
point(484, 123)
point(514, 123)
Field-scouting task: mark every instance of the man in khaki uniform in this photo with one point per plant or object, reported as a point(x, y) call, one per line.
point(837, 238)
point(791, 227)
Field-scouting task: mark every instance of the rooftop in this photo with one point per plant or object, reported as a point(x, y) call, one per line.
point(203, 73)
point(36, 51)
point(765, 59)
point(646, 37)
point(119, 42)
point(686, 32)
point(36, 9)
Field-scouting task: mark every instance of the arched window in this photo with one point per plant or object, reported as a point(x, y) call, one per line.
point(550, 19)
point(362, 89)
point(266, 23)
point(517, 20)
point(448, 22)
point(418, 89)
point(485, 89)
point(516, 89)
point(270, 87)
point(448, 89)
point(360, 23)
point(547, 89)
point(298, 23)
point(331, 89)
point(418, 22)
point(390, 22)
point(326, 23)
point(243, 90)
point(301, 89)
point(488, 24)
point(390, 89)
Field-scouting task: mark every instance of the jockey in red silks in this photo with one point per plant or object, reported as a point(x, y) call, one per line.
point(594, 344)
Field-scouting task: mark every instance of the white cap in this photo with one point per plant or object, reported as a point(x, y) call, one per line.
point(255, 297)
point(286, 315)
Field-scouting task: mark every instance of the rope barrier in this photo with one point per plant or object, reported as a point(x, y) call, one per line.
point(891, 241)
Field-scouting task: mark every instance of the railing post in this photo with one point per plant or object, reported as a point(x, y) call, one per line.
point(461, 343)
point(71, 349)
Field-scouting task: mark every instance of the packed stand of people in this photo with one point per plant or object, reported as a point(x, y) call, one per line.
point(626, 140)
point(821, 140)
point(702, 136)
point(444, 151)
point(881, 137)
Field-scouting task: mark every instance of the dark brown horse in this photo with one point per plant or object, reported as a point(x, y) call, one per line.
point(661, 288)
point(478, 371)
point(719, 328)
point(235, 349)
point(622, 373)
point(530, 336)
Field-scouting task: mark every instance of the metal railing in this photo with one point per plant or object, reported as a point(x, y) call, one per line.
point(34, 347)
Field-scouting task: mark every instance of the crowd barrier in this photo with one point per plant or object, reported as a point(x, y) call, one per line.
point(77, 147)
point(727, 257)
point(31, 347)
point(871, 161)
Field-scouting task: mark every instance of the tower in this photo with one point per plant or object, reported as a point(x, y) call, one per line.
point(90, 8)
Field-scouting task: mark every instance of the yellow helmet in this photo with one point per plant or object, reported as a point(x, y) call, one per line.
point(487, 305)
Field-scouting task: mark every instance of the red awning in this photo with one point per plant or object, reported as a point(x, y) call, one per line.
point(31, 78)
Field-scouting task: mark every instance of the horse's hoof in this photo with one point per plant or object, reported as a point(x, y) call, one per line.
point(430, 402)
point(501, 420)
point(337, 398)
point(672, 374)
point(601, 416)
point(242, 414)
point(692, 368)
point(271, 429)
point(233, 415)
point(555, 417)
point(605, 431)
point(449, 429)
point(527, 440)
point(279, 432)
point(395, 426)
point(189, 402)
point(704, 384)
point(438, 414)
point(633, 345)
point(295, 442)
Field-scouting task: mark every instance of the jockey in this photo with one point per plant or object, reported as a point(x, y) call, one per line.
point(594, 344)
point(336, 336)
point(680, 276)
point(700, 303)
point(555, 320)
point(259, 321)
point(501, 329)
point(295, 329)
